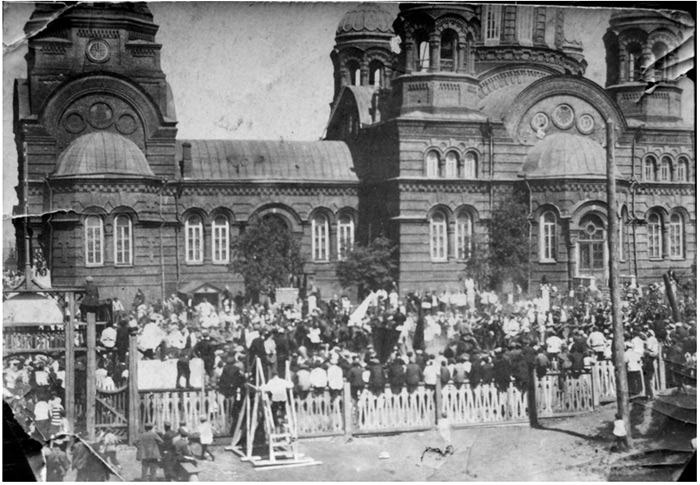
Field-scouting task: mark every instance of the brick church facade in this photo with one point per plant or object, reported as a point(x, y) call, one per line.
point(438, 114)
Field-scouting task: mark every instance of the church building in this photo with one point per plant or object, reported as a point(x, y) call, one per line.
point(439, 113)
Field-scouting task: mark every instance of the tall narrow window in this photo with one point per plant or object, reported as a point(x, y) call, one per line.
point(194, 243)
point(451, 165)
point(319, 237)
point(432, 161)
point(548, 232)
point(94, 241)
point(220, 240)
point(376, 73)
point(448, 50)
point(682, 170)
point(463, 236)
point(354, 73)
point(438, 237)
point(665, 169)
point(423, 52)
point(470, 162)
point(634, 60)
point(591, 245)
point(525, 24)
point(654, 236)
point(122, 240)
point(493, 23)
point(675, 233)
point(650, 169)
point(346, 235)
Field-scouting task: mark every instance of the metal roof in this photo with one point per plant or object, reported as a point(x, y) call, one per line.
point(270, 160)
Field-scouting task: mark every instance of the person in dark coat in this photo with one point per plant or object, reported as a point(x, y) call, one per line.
point(91, 300)
point(183, 368)
point(396, 376)
point(377, 377)
point(487, 370)
point(122, 341)
point(204, 349)
point(257, 349)
point(413, 375)
point(501, 372)
point(139, 299)
point(444, 374)
point(148, 444)
point(167, 450)
point(355, 379)
point(87, 463)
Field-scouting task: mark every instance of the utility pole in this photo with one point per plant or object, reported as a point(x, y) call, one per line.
point(614, 252)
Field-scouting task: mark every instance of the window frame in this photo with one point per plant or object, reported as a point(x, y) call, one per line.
point(432, 168)
point(665, 170)
point(119, 237)
point(89, 234)
point(464, 238)
point(676, 249)
point(682, 169)
point(345, 235)
point(451, 166)
point(438, 237)
point(654, 237)
point(470, 166)
point(650, 162)
point(220, 233)
point(548, 237)
point(194, 232)
point(449, 42)
point(320, 238)
point(492, 24)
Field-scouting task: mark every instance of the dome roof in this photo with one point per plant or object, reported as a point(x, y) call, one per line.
point(101, 154)
point(565, 156)
point(367, 18)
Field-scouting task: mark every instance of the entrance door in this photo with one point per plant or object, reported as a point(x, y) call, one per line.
point(592, 250)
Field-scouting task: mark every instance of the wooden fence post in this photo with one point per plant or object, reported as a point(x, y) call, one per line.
point(134, 407)
point(595, 385)
point(69, 383)
point(438, 400)
point(347, 409)
point(91, 368)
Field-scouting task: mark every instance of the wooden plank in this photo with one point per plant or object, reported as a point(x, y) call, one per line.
point(113, 410)
point(69, 383)
point(91, 384)
point(133, 392)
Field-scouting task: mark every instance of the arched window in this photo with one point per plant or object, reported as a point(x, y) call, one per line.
point(422, 52)
point(448, 50)
point(463, 236)
point(354, 73)
point(525, 23)
point(220, 240)
point(123, 252)
point(649, 169)
point(659, 50)
point(492, 32)
point(346, 235)
point(432, 161)
point(94, 241)
point(682, 170)
point(319, 237)
point(438, 236)
point(634, 62)
point(376, 74)
point(548, 236)
point(654, 236)
point(470, 164)
point(665, 169)
point(194, 243)
point(451, 161)
point(675, 233)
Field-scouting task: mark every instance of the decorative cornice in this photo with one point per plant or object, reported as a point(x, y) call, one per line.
point(445, 186)
point(270, 190)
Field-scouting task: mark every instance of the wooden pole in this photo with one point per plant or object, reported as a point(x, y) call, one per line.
point(614, 261)
point(69, 383)
point(347, 409)
point(134, 407)
point(671, 295)
point(91, 368)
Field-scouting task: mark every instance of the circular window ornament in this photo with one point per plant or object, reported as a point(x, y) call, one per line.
point(100, 115)
point(563, 116)
point(591, 229)
point(74, 123)
point(540, 122)
point(585, 124)
point(126, 124)
point(97, 50)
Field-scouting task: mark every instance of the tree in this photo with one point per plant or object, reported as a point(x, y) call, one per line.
point(369, 267)
point(265, 255)
point(504, 258)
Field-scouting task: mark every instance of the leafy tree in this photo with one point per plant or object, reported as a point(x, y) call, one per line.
point(265, 255)
point(506, 255)
point(369, 267)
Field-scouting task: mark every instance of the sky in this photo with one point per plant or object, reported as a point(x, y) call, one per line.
point(246, 70)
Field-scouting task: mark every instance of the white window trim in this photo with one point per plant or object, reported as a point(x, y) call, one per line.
point(492, 15)
point(432, 170)
point(99, 253)
point(225, 241)
point(198, 231)
point(451, 165)
point(544, 228)
point(682, 166)
point(319, 254)
point(118, 236)
point(673, 227)
point(438, 253)
point(655, 233)
point(471, 159)
point(346, 234)
point(468, 235)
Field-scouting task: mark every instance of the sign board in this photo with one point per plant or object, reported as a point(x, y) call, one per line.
point(286, 296)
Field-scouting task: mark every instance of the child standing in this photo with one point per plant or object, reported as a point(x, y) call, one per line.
point(206, 436)
point(620, 433)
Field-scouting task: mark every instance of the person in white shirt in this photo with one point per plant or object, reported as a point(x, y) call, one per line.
point(278, 387)
point(335, 376)
point(634, 369)
point(596, 341)
point(318, 377)
point(108, 337)
point(652, 344)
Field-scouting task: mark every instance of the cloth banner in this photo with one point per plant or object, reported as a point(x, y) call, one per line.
point(360, 312)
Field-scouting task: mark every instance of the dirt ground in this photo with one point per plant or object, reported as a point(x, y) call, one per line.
point(565, 449)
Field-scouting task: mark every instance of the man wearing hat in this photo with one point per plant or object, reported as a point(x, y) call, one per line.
point(148, 444)
point(91, 300)
point(167, 450)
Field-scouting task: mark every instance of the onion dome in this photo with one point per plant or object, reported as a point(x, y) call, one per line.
point(102, 154)
point(367, 18)
point(565, 156)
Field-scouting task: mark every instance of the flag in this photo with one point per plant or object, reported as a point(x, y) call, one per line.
point(360, 312)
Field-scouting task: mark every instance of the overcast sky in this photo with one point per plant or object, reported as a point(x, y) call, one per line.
point(246, 70)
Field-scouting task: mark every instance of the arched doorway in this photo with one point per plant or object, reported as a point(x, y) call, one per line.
point(592, 251)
